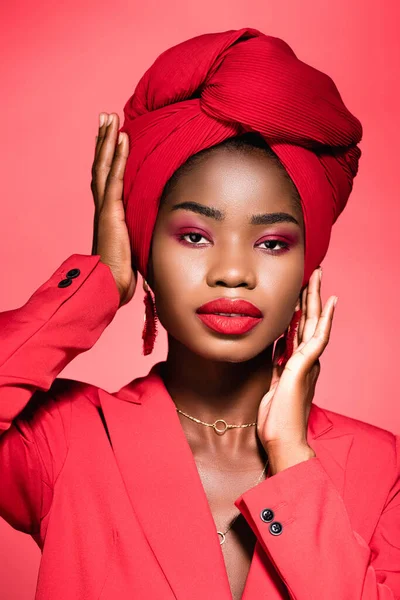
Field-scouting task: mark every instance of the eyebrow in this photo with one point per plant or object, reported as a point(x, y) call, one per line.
point(214, 213)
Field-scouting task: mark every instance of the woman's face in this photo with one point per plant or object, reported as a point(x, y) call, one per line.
point(214, 238)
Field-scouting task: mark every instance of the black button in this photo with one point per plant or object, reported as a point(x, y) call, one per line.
point(275, 528)
point(73, 273)
point(267, 515)
point(65, 283)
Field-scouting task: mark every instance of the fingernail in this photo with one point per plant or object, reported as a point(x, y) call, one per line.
point(102, 119)
point(335, 300)
point(110, 119)
point(120, 137)
point(320, 273)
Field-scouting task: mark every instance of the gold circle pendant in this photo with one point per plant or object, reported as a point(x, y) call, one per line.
point(220, 431)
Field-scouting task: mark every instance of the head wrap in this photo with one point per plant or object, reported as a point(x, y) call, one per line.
point(219, 85)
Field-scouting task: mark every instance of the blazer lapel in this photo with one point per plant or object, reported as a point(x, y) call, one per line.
point(164, 487)
point(331, 446)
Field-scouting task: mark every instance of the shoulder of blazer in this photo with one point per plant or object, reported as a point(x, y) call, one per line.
point(64, 392)
point(46, 407)
point(366, 434)
point(72, 390)
point(56, 398)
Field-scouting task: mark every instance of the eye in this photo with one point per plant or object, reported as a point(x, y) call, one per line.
point(194, 238)
point(274, 250)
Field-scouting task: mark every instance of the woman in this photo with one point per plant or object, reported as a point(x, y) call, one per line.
point(215, 475)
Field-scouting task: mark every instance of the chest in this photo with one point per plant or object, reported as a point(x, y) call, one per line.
point(222, 488)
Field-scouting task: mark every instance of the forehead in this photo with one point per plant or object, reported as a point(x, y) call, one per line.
point(236, 182)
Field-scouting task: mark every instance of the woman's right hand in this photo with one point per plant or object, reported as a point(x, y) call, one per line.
point(110, 232)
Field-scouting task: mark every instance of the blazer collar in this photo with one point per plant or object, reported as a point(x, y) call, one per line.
point(161, 478)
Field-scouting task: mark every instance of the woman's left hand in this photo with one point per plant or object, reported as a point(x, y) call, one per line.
point(283, 412)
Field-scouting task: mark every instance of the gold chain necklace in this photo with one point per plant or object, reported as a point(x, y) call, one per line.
point(214, 425)
point(222, 534)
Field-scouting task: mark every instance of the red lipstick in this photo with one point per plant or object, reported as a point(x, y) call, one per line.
point(229, 316)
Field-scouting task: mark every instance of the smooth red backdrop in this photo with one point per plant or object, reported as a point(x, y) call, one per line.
point(65, 63)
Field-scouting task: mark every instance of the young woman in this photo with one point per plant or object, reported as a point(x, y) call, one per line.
point(215, 475)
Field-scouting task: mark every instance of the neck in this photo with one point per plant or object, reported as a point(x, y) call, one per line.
point(209, 390)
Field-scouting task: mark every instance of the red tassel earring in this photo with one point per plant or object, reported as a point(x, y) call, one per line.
point(149, 333)
point(289, 338)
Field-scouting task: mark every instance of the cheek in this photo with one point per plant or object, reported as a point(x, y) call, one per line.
point(174, 264)
point(280, 289)
point(178, 275)
point(281, 277)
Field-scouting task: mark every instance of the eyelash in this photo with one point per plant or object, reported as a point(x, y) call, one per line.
point(269, 250)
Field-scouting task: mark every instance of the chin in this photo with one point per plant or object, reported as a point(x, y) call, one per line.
point(225, 351)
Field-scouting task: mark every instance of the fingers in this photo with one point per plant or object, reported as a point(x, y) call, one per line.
point(104, 155)
point(297, 337)
point(103, 118)
point(302, 321)
point(311, 301)
point(114, 185)
point(95, 183)
point(309, 352)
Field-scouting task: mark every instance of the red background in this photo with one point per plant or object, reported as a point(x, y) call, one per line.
point(68, 62)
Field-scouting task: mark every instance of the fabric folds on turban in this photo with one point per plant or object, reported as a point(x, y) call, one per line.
point(219, 85)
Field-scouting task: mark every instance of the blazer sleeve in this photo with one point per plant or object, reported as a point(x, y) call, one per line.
point(314, 548)
point(37, 341)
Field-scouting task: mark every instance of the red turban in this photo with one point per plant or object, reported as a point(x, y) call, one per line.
point(219, 85)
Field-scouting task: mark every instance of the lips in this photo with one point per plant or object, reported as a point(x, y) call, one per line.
point(230, 317)
point(228, 306)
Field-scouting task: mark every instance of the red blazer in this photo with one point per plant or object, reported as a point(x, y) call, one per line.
point(107, 485)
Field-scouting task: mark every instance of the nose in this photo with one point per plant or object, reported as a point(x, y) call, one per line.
point(232, 268)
